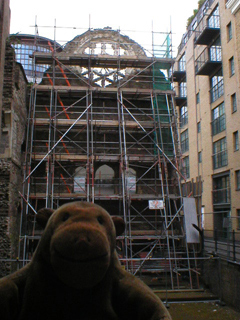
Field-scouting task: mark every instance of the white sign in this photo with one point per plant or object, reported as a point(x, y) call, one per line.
point(79, 184)
point(131, 184)
point(155, 204)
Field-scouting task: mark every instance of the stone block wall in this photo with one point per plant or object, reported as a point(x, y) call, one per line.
point(223, 279)
point(13, 134)
point(4, 32)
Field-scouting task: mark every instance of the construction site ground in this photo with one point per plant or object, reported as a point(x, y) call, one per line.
point(196, 305)
point(200, 311)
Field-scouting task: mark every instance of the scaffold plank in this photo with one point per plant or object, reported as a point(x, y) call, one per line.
point(105, 61)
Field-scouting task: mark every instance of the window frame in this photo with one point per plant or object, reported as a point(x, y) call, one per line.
point(183, 89)
point(220, 156)
point(234, 102)
point(238, 218)
point(235, 141)
point(237, 180)
point(218, 119)
point(229, 31)
point(186, 167)
point(197, 98)
point(182, 63)
point(214, 19)
point(199, 127)
point(183, 116)
point(200, 157)
point(184, 141)
point(221, 189)
point(216, 86)
point(231, 67)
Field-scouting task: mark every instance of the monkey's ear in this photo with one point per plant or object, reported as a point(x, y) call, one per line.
point(43, 216)
point(119, 225)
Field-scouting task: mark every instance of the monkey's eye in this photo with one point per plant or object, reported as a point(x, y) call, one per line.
point(100, 220)
point(65, 216)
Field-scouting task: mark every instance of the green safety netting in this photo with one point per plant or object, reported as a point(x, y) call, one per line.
point(162, 110)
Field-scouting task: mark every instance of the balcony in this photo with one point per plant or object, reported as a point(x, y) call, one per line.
point(208, 61)
point(181, 97)
point(179, 75)
point(207, 30)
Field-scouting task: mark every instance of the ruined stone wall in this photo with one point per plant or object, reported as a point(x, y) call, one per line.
point(4, 32)
point(5, 245)
point(13, 135)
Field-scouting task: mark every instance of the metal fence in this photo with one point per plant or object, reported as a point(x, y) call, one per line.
point(223, 243)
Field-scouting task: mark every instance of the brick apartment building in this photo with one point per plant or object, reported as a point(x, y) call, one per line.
point(207, 84)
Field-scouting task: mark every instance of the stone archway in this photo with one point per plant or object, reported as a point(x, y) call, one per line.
point(104, 180)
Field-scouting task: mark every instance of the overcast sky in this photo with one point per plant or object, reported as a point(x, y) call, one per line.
point(139, 16)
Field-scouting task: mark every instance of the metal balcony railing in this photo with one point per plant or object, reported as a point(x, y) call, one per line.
point(208, 60)
point(207, 29)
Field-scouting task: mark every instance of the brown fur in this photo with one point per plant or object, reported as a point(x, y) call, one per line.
point(75, 274)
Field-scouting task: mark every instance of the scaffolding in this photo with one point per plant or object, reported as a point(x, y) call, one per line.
point(102, 128)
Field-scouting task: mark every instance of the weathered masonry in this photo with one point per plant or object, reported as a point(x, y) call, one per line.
point(102, 128)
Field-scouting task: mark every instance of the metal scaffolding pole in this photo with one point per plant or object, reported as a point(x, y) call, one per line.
point(83, 119)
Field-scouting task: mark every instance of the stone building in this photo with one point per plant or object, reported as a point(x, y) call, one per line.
point(207, 84)
point(13, 127)
point(102, 128)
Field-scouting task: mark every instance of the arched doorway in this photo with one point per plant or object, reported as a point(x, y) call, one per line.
point(104, 180)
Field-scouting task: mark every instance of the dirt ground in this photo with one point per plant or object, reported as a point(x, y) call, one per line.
point(200, 311)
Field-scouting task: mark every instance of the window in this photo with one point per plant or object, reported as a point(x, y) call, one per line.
point(184, 141)
point(183, 116)
point(183, 89)
point(213, 20)
point(23, 53)
point(194, 25)
point(218, 119)
point(199, 127)
point(198, 97)
point(216, 86)
point(220, 153)
point(200, 157)
point(229, 31)
point(238, 218)
point(182, 63)
point(221, 189)
point(185, 167)
point(237, 175)
point(205, 8)
point(215, 51)
point(235, 141)
point(231, 67)
point(234, 102)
